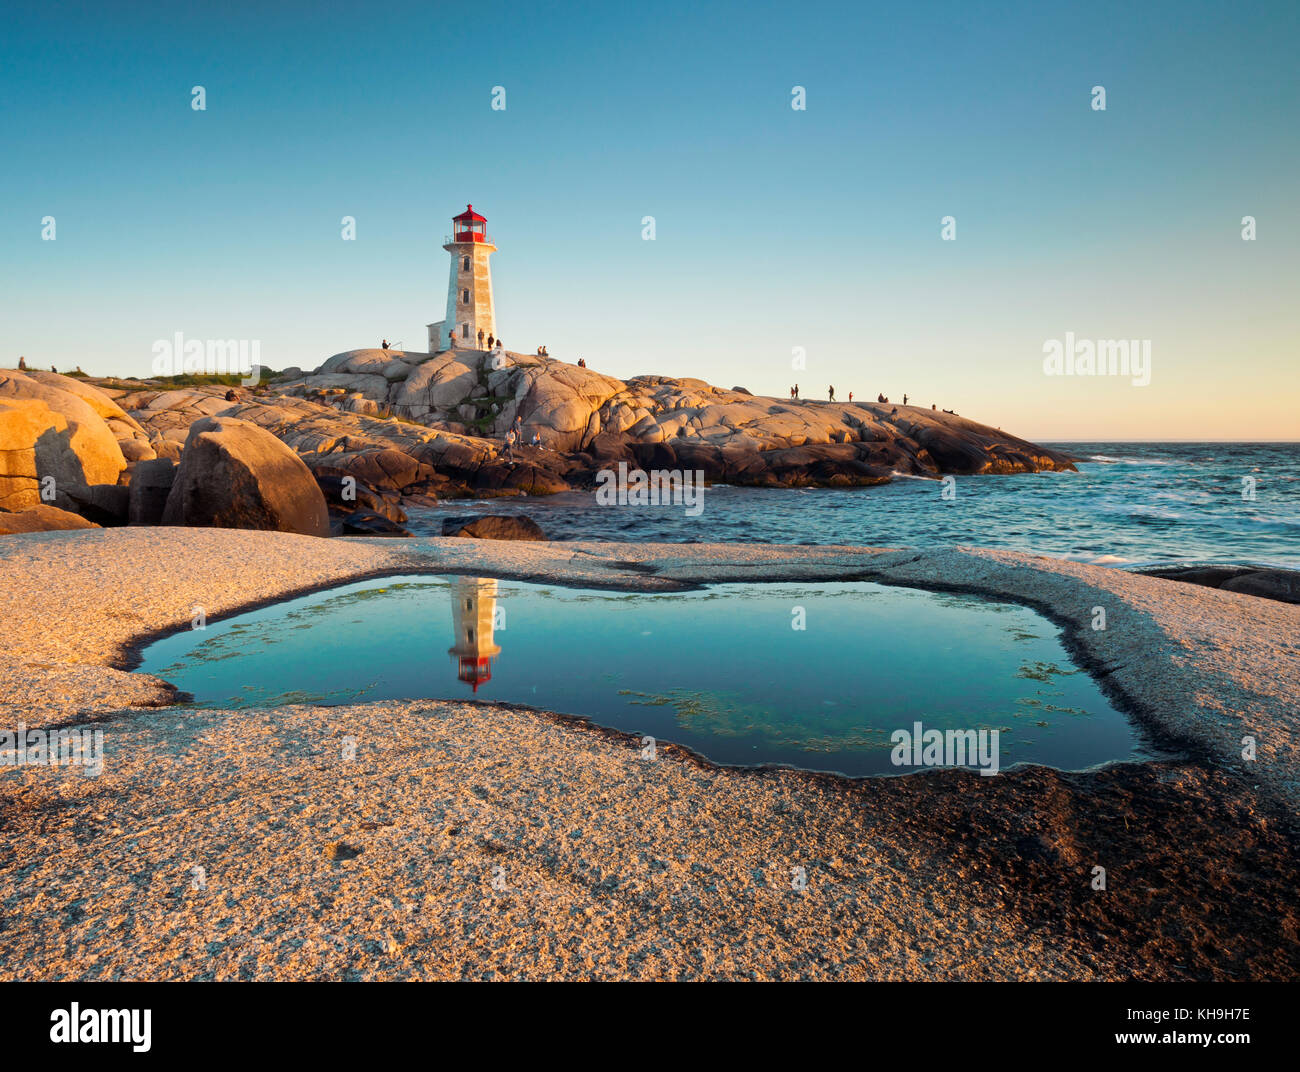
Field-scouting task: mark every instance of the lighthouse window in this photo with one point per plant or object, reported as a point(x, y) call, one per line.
point(464, 331)
point(464, 295)
point(469, 635)
point(465, 264)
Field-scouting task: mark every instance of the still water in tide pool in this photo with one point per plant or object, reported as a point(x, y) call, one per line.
point(814, 677)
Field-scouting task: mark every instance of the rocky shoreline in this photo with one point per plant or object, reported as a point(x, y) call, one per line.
point(377, 430)
point(618, 868)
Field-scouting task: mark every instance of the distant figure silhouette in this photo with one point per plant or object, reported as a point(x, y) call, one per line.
point(850, 396)
point(480, 338)
point(880, 396)
point(796, 391)
point(22, 364)
point(490, 342)
point(53, 369)
point(792, 392)
point(231, 396)
point(383, 344)
point(933, 406)
point(905, 398)
point(582, 363)
point(831, 392)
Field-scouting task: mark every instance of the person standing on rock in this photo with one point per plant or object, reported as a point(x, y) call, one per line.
point(491, 341)
point(905, 398)
point(22, 364)
point(796, 392)
point(383, 344)
point(850, 397)
point(831, 391)
point(511, 436)
point(480, 338)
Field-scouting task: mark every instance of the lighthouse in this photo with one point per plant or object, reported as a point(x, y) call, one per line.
point(469, 287)
point(473, 607)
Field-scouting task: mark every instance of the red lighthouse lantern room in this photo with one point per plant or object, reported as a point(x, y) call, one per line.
point(469, 226)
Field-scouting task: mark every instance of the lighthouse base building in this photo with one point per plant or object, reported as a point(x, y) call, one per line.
point(469, 287)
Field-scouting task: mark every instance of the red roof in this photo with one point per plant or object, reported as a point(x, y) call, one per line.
point(469, 215)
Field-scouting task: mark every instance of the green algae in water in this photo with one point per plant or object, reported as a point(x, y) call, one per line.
point(811, 676)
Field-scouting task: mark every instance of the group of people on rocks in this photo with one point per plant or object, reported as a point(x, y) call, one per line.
point(830, 394)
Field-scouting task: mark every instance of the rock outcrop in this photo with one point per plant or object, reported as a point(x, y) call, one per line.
point(42, 518)
point(494, 527)
point(398, 426)
point(1280, 584)
point(233, 474)
point(586, 421)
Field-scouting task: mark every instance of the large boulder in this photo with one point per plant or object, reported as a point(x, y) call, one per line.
point(37, 461)
point(562, 401)
point(1283, 585)
point(437, 386)
point(365, 523)
point(131, 438)
point(24, 422)
point(235, 475)
point(98, 458)
point(494, 527)
point(151, 484)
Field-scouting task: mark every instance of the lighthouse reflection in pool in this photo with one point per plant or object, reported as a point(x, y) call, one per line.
point(809, 676)
point(474, 612)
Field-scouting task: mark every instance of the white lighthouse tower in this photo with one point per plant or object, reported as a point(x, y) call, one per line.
point(469, 288)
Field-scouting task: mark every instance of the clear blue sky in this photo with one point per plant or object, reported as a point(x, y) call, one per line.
point(775, 228)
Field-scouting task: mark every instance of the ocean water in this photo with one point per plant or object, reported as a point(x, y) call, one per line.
point(819, 677)
point(1129, 504)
